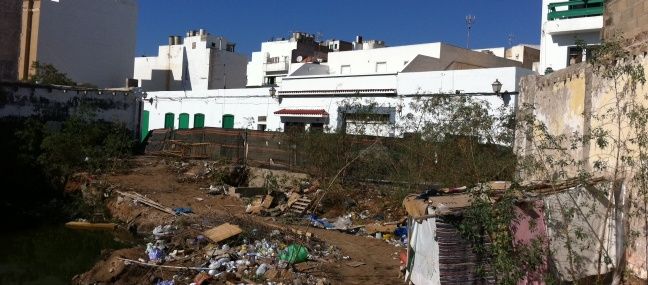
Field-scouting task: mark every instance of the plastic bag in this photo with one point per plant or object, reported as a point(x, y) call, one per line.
point(294, 253)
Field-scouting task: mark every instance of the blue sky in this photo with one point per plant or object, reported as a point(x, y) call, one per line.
point(397, 22)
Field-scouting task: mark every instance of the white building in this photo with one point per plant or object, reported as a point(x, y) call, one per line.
point(564, 24)
point(339, 92)
point(200, 61)
point(272, 63)
point(92, 41)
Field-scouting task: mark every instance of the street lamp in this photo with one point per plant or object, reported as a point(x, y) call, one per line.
point(272, 91)
point(497, 86)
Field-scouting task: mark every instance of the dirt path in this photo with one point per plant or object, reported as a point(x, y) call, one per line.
point(152, 178)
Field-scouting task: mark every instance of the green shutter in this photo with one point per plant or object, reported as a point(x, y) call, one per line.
point(183, 121)
point(228, 121)
point(169, 120)
point(199, 120)
point(144, 126)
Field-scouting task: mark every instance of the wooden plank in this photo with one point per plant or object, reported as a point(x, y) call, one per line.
point(222, 232)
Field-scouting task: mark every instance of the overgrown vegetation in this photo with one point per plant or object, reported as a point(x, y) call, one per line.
point(47, 74)
point(81, 143)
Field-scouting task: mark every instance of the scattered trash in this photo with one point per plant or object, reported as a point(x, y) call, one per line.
point(155, 253)
point(165, 282)
point(355, 263)
point(262, 269)
point(83, 225)
point(320, 223)
point(182, 210)
point(342, 223)
point(294, 253)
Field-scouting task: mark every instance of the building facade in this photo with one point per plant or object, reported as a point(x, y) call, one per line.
point(199, 61)
point(567, 26)
point(10, 15)
point(268, 66)
point(92, 41)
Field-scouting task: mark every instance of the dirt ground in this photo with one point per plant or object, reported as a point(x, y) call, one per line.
point(154, 178)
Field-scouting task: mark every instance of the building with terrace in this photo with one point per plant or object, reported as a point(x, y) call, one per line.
point(567, 26)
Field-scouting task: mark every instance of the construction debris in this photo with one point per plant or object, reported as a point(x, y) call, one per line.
point(138, 198)
point(222, 232)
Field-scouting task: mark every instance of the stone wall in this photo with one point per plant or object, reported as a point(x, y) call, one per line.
point(627, 17)
point(10, 18)
point(577, 101)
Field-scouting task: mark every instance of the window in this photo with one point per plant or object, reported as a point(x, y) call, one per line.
point(261, 127)
point(271, 80)
point(381, 66)
point(193, 45)
point(345, 69)
point(262, 118)
point(368, 118)
point(574, 55)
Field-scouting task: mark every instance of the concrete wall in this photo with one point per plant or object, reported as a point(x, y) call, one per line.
point(19, 100)
point(227, 70)
point(92, 41)
point(627, 17)
point(10, 20)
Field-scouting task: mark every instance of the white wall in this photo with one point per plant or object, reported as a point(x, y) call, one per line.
point(364, 61)
point(248, 103)
point(202, 57)
point(92, 41)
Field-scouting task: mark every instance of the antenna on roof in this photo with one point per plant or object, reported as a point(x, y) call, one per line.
point(470, 20)
point(511, 38)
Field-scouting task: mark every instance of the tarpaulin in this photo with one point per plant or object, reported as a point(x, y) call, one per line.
point(424, 254)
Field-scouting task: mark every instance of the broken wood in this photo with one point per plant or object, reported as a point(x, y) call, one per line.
point(128, 261)
point(146, 201)
point(222, 232)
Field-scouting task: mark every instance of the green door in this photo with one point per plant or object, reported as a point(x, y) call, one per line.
point(169, 120)
point(144, 125)
point(228, 121)
point(199, 120)
point(183, 121)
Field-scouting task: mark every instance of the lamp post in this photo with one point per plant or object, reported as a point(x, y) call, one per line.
point(273, 91)
point(497, 86)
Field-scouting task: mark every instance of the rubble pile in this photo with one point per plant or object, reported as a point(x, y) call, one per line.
point(226, 254)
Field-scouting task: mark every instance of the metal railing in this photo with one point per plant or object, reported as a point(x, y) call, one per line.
point(275, 66)
point(576, 9)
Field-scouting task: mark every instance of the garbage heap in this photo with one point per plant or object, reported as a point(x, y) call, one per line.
point(226, 254)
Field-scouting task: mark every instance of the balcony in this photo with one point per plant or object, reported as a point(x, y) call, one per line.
point(276, 67)
point(575, 9)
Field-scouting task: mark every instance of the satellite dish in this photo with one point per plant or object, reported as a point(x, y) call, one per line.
point(299, 58)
